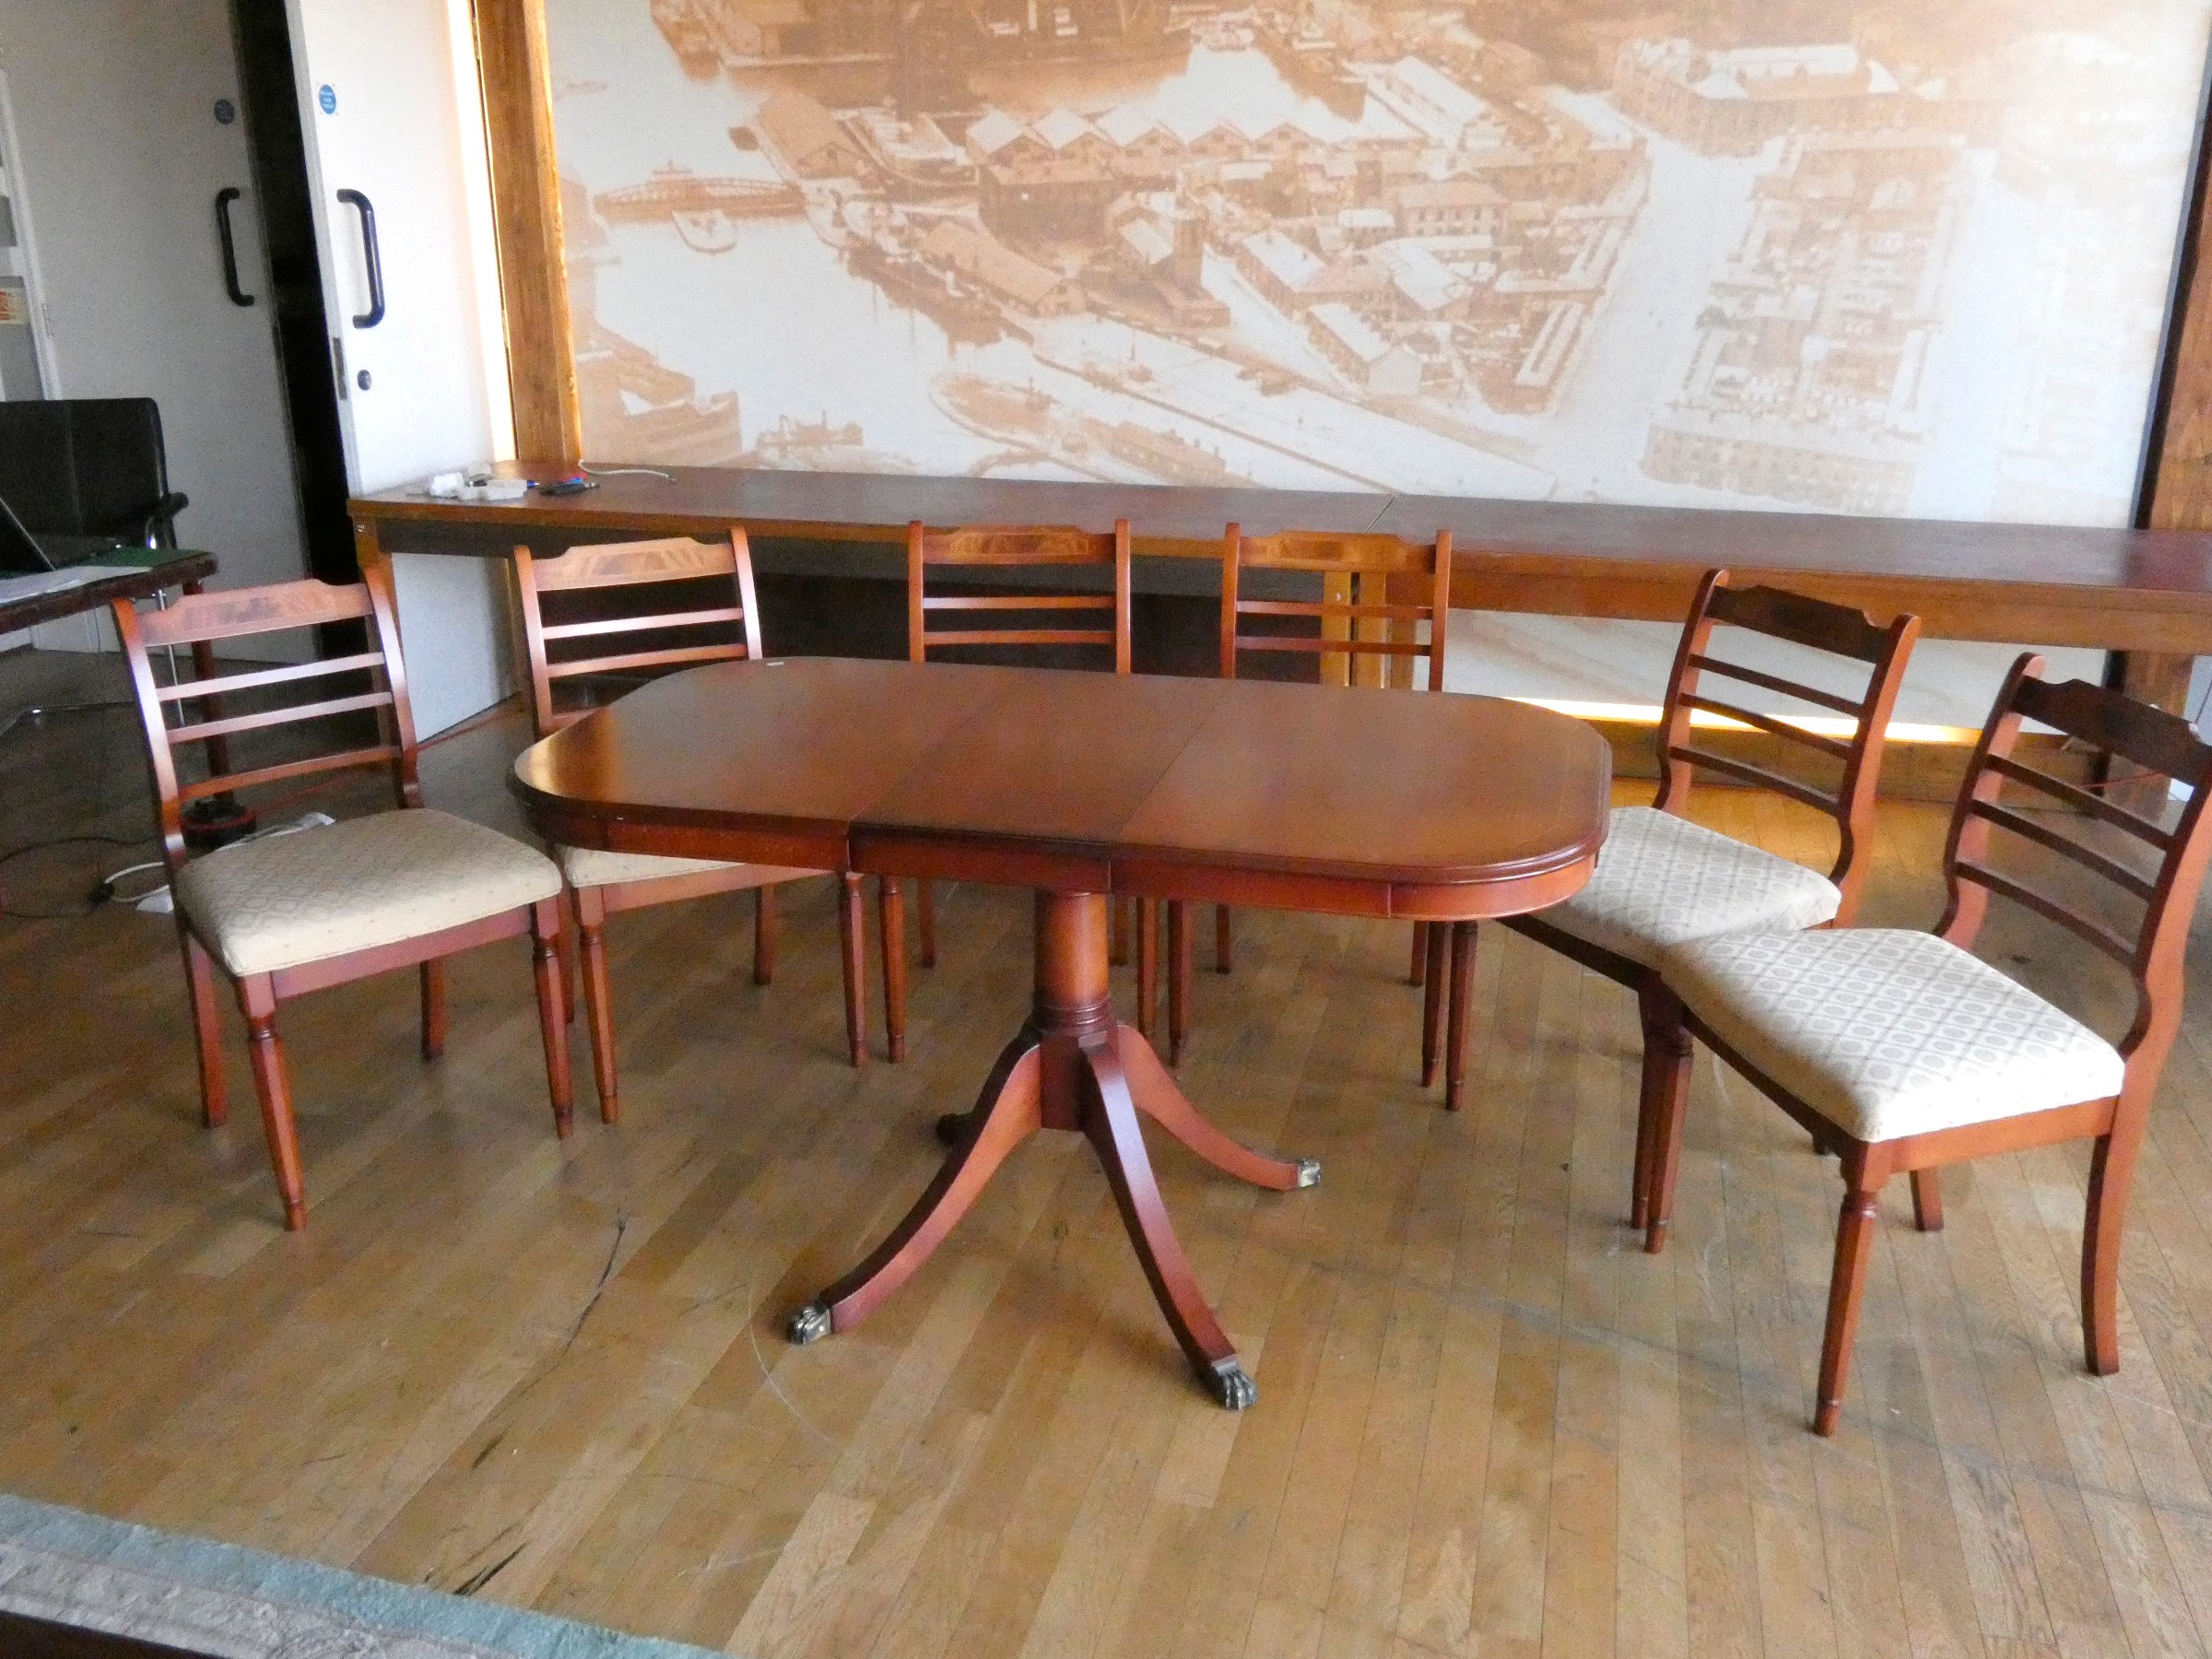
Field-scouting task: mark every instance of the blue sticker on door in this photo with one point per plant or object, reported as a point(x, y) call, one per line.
point(326, 100)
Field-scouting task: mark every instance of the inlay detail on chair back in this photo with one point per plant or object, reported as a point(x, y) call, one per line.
point(1855, 758)
point(1377, 591)
point(263, 700)
point(2157, 870)
point(1002, 547)
point(584, 645)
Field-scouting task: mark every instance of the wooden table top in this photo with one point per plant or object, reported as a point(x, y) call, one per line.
point(2120, 589)
point(1310, 798)
point(153, 568)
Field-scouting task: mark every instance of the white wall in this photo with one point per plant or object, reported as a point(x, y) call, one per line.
point(121, 158)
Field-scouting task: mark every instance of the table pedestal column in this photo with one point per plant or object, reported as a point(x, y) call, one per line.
point(1074, 1066)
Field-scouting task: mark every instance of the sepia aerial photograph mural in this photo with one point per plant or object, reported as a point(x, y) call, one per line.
point(1894, 257)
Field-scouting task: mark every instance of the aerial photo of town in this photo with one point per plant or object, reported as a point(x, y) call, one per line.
point(1876, 258)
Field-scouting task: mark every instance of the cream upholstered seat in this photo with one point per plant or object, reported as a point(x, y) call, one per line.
point(590, 866)
point(285, 900)
point(1887, 1032)
point(1663, 881)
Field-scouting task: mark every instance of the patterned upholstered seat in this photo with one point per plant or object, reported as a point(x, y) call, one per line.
point(591, 867)
point(1663, 881)
point(265, 905)
point(1887, 1032)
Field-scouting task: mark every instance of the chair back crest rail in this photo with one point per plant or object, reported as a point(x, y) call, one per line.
point(279, 607)
point(988, 548)
point(2162, 745)
point(1376, 591)
point(629, 565)
point(1817, 624)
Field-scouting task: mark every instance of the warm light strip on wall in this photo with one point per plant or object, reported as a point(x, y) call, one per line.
point(1825, 725)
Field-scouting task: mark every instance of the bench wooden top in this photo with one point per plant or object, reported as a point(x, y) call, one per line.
point(2118, 589)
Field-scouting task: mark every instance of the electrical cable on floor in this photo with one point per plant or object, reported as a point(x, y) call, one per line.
point(92, 900)
point(624, 472)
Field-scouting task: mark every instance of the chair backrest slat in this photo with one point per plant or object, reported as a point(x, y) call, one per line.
point(242, 613)
point(1018, 602)
point(1749, 675)
point(600, 626)
point(2083, 801)
point(1760, 777)
point(253, 777)
point(201, 730)
point(1814, 624)
point(2116, 726)
point(1772, 724)
point(239, 613)
point(627, 564)
point(995, 548)
point(1377, 591)
point(218, 686)
point(728, 564)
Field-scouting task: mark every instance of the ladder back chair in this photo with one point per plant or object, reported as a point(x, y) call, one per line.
point(1020, 618)
point(1378, 594)
point(721, 625)
point(296, 911)
point(1901, 1053)
point(1663, 881)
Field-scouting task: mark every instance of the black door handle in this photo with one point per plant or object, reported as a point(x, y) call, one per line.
point(223, 198)
point(375, 314)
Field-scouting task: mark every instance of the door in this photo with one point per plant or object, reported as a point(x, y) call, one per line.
point(121, 128)
point(403, 216)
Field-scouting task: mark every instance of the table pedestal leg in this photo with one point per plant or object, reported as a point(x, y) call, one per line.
point(1074, 1066)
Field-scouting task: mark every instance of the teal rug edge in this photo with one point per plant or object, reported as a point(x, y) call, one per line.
point(377, 1604)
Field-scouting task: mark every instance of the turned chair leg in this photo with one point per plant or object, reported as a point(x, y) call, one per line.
point(1662, 1104)
point(598, 999)
point(764, 935)
point(206, 1030)
point(432, 975)
point(1433, 983)
point(1846, 1293)
point(564, 947)
point(851, 943)
point(925, 921)
point(2111, 1172)
point(1179, 977)
point(546, 925)
point(891, 922)
point(1458, 1008)
point(1928, 1200)
point(257, 999)
point(1148, 962)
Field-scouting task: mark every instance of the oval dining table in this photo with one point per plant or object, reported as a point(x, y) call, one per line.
point(1084, 788)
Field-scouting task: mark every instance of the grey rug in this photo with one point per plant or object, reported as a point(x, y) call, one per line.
point(72, 1568)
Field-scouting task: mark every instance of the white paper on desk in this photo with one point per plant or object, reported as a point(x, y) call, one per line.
point(56, 582)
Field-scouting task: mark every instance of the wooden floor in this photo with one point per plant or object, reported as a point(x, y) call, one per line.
point(1486, 1425)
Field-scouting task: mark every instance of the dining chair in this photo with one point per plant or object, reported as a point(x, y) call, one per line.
point(1663, 881)
point(712, 616)
point(1383, 604)
point(1667, 881)
point(288, 914)
point(1015, 616)
point(1901, 1053)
